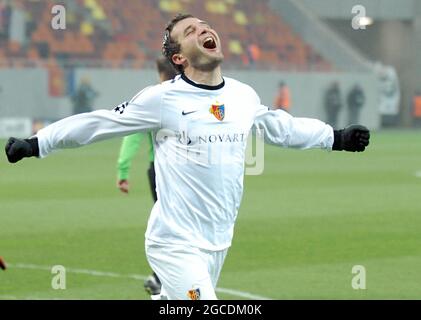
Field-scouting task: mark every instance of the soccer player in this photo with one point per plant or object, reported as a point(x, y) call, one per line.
point(129, 147)
point(200, 121)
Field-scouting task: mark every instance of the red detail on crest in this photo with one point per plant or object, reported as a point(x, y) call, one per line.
point(218, 111)
point(194, 294)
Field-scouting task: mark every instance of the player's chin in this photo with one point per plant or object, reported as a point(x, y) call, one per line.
point(215, 57)
point(207, 61)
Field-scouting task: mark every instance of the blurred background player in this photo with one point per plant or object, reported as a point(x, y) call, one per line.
point(417, 107)
point(333, 104)
point(84, 97)
point(282, 99)
point(355, 101)
point(129, 147)
point(3, 265)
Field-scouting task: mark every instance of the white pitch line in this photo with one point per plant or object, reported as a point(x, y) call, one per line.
point(96, 273)
point(418, 174)
point(241, 294)
point(7, 297)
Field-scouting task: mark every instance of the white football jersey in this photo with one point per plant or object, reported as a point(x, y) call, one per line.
point(200, 142)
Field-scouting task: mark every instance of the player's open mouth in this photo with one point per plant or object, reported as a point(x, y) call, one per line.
point(209, 43)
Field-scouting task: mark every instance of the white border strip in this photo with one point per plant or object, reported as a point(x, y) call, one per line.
point(139, 277)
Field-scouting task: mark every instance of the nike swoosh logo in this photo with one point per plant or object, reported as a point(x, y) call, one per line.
point(186, 113)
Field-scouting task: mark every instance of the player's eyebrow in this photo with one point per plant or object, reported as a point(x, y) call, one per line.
point(191, 26)
point(205, 23)
point(187, 29)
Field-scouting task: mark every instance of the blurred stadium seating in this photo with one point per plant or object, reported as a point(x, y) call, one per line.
point(122, 33)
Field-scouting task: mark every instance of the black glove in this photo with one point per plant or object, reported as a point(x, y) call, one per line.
point(16, 149)
point(352, 138)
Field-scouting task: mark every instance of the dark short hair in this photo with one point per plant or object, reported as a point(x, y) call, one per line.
point(165, 67)
point(169, 45)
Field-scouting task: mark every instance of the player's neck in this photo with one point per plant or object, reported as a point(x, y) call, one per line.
point(209, 78)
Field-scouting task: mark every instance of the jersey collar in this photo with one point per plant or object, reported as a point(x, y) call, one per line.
point(203, 86)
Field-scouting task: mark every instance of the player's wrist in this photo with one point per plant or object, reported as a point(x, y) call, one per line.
point(122, 175)
point(338, 140)
point(34, 147)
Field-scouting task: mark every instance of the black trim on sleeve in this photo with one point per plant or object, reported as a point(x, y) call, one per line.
point(34, 146)
point(337, 140)
point(203, 86)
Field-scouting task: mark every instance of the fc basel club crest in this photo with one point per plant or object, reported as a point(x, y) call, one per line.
point(194, 294)
point(218, 110)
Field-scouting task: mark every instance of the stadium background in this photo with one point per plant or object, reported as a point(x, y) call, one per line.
point(303, 224)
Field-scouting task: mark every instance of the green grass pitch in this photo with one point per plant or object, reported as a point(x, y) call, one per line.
point(302, 225)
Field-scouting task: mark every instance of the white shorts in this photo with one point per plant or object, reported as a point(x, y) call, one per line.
point(185, 272)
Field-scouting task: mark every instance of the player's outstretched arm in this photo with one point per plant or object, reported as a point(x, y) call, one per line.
point(282, 129)
point(354, 138)
point(17, 149)
point(141, 114)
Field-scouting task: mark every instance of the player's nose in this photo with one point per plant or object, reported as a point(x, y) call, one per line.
point(203, 30)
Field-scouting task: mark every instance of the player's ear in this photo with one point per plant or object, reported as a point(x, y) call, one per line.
point(178, 59)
